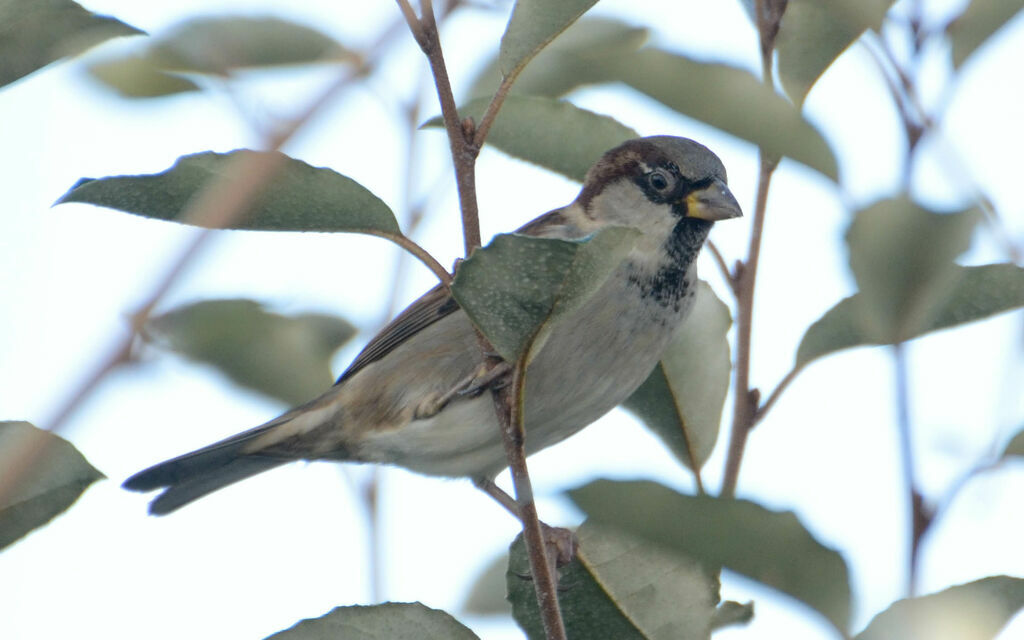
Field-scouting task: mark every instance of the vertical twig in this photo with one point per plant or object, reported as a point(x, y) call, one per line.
point(462, 138)
point(920, 518)
point(746, 400)
point(508, 404)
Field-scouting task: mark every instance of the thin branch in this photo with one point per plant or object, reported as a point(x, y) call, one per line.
point(722, 266)
point(419, 252)
point(920, 517)
point(746, 400)
point(508, 403)
point(773, 397)
point(460, 138)
point(484, 126)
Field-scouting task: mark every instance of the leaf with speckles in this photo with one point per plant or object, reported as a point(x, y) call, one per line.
point(299, 197)
point(621, 587)
point(517, 287)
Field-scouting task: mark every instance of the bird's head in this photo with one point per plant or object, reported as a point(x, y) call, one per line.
point(660, 185)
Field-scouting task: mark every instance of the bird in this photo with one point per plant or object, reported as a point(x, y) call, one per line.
point(416, 395)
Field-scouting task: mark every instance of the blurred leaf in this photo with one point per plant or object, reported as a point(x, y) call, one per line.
point(902, 258)
point(222, 44)
point(285, 357)
point(682, 399)
point(388, 621)
point(554, 134)
point(1015, 447)
point(34, 33)
point(814, 32)
point(730, 614)
point(728, 98)
point(517, 287)
point(973, 611)
point(771, 547)
point(619, 587)
point(979, 292)
point(34, 495)
point(975, 26)
point(487, 596)
point(298, 198)
point(566, 63)
point(535, 23)
point(136, 77)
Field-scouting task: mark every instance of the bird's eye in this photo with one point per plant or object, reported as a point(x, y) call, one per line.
point(659, 180)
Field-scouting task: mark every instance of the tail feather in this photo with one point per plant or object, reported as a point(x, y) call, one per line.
point(194, 475)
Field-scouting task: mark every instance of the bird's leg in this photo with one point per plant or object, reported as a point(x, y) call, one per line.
point(561, 543)
point(485, 377)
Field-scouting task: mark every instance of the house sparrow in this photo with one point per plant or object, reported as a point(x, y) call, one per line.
point(414, 396)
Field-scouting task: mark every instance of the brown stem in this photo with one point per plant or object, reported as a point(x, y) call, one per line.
point(492, 110)
point(722, 266)
point(508, 404)
point(745, 403)
point(460, 139)
point(419, 252)
point(920, 514)
point(774, 395)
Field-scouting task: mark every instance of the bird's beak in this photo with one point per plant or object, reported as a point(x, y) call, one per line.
point(714, 202)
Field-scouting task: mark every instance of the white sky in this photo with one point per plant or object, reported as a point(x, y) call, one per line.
point(291, 544)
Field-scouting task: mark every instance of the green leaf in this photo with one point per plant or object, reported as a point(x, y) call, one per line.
point(973, 611)
point(41, 475)
point(223, 44)
point(284, 357)
point(487, 596)
point(814, 32)
point(388, 621)
point(34, 33)
point(771, 547)
point(681, 401)
point(566, 63)
point(554, 134)
point(298, 198)
point(728, 98)
point(517, 287)
point(977, 23)
point(1015, 447)
point(136, 77)
point(619, 587)
point(902, 258)
point(535, 23)
point(979, 292)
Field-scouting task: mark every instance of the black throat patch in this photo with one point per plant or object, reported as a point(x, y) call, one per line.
point(668, 286)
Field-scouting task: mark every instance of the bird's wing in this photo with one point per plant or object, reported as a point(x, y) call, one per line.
point(437, 303)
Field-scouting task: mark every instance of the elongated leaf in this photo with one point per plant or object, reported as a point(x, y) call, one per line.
point(620, 587)
point(222, 44)
point(136, 77)
point(979, 292)
point(979, 21)
point(517, 287)
point(728, 98)
point(388, 621)
point(1015, 447)
point(682, 399)
point(34, 33)
point(299, 197)
point(32, 495)
point(973, 611)
point(535, 23)
point(814, 32)
point(284, 357)
point(771, 547)
point(554, 134)
point(902, 258)
point(566, 63)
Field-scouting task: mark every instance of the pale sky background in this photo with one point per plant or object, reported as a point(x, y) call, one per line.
point(291, 544)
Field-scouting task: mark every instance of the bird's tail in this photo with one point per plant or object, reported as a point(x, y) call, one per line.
point(193, 475)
